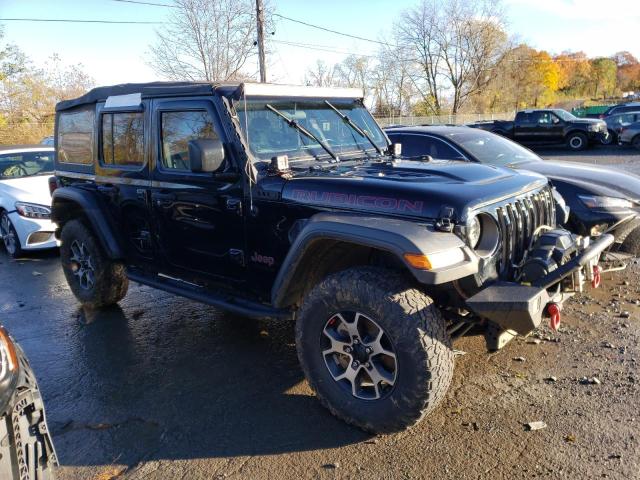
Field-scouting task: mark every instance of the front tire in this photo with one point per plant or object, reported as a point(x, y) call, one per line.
point(95, 280)
point(631, 243)
point(577, 141)
point(10, 236)
point(374, 349)
point(636, 142)
point(611, 138)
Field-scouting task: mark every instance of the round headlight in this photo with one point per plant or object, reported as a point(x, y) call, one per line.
point(483, 234)
point(474, 232)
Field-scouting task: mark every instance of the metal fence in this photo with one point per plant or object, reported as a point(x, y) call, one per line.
point(459, 119)
point(24, 133)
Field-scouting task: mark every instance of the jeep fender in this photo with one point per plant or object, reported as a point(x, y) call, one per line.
point(392, 235)
point(67, 203)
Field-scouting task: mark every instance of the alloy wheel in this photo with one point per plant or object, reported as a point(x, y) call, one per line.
point(359, 355)
point(8, 235)
point(82, 265)
point(576, 142)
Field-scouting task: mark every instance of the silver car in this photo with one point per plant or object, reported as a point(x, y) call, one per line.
point(630, 135)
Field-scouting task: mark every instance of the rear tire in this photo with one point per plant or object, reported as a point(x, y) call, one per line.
point(10, 236)
point(95, 280)
point(577, 141)
point(409, 366)
point(636, 142)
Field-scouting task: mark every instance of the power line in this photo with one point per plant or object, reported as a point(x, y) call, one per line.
point(332, 31)
point(69, 20)
point(321, 48)
point(146, 3)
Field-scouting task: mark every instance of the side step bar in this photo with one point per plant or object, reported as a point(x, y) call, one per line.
point(238, 306)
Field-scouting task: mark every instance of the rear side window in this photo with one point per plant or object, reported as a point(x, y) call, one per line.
point(178, 128)
point(123, 139)
point(75, 136)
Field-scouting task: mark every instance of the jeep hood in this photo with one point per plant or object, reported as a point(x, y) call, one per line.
point(593, 178)
point(410, 188)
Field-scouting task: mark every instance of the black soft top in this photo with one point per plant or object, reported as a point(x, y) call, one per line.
point(147, 90)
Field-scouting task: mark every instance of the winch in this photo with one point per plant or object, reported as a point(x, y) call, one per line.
point(551, 250)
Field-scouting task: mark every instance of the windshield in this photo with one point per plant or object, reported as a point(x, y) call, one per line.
point(25, 164)
point(270, 135)
point(564, 115)
point(492, 149)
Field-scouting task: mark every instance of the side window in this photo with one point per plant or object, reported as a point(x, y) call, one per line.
point(75, 136)
point(543, 118)
point(123, 139)
point(412, 145)
point(177, 129)
point(524, 118)
point(446, 152)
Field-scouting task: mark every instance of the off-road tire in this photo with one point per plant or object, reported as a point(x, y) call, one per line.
point(577, 141)
point(631, 243)
point(415, 327)
point(636, 142)
point(111, 282)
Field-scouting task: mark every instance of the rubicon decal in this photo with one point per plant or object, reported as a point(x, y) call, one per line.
point(368, 201)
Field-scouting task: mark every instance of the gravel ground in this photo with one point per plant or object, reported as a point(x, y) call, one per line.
point(164, 388)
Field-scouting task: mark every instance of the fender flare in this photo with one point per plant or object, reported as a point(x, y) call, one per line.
point(89, 204)
point(393, 235)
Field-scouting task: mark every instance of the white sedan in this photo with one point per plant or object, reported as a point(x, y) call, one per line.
point(25, 201)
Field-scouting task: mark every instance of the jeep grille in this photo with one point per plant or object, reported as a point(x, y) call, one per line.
point(518, 222)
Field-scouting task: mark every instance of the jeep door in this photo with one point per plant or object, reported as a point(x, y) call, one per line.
point(198, 217)
point(122, 177)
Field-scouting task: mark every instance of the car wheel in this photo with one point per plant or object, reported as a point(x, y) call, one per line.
point(10, 236)
point(577, 141)
point(94, 279)
point(611, 138)
point(374, 349)
point(631, 243)
point(636, 142)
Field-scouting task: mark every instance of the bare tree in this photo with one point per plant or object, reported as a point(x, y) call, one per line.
point(321, 75)
point(455, 45)
point(210, 40)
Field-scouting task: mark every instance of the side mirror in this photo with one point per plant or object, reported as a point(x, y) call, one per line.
point(206, 155)
point(396, 149)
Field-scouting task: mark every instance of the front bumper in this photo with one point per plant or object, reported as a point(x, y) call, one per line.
point(34, 233)
point(26, 449)
point(598, 136)
point(520, 308)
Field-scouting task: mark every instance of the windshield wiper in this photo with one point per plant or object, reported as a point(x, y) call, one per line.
point(352, 124)
point(292, 123)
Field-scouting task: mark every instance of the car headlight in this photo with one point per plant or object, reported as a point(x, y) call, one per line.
point(32, 210)
point(8, 369)
point(474, 231)
point(605, 203)
point(593, 127)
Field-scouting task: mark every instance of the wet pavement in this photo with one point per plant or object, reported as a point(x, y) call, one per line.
point(162, 387)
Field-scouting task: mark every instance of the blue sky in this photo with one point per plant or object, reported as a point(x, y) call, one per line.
point(116, 53)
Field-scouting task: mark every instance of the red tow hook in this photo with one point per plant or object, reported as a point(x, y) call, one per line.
point(597, 276)
point(553, 310)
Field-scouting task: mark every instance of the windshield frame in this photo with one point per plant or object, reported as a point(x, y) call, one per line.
point(354, 146)
point(5, 163)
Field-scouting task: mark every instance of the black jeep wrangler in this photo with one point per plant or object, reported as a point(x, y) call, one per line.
point(289, 202)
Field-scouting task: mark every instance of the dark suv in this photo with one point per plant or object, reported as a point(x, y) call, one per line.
point(287, 202)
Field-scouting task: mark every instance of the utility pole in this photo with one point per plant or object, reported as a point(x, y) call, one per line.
point(260, 22)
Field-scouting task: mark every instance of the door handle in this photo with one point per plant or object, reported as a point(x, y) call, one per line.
point(163, 199)
point(107, 189)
